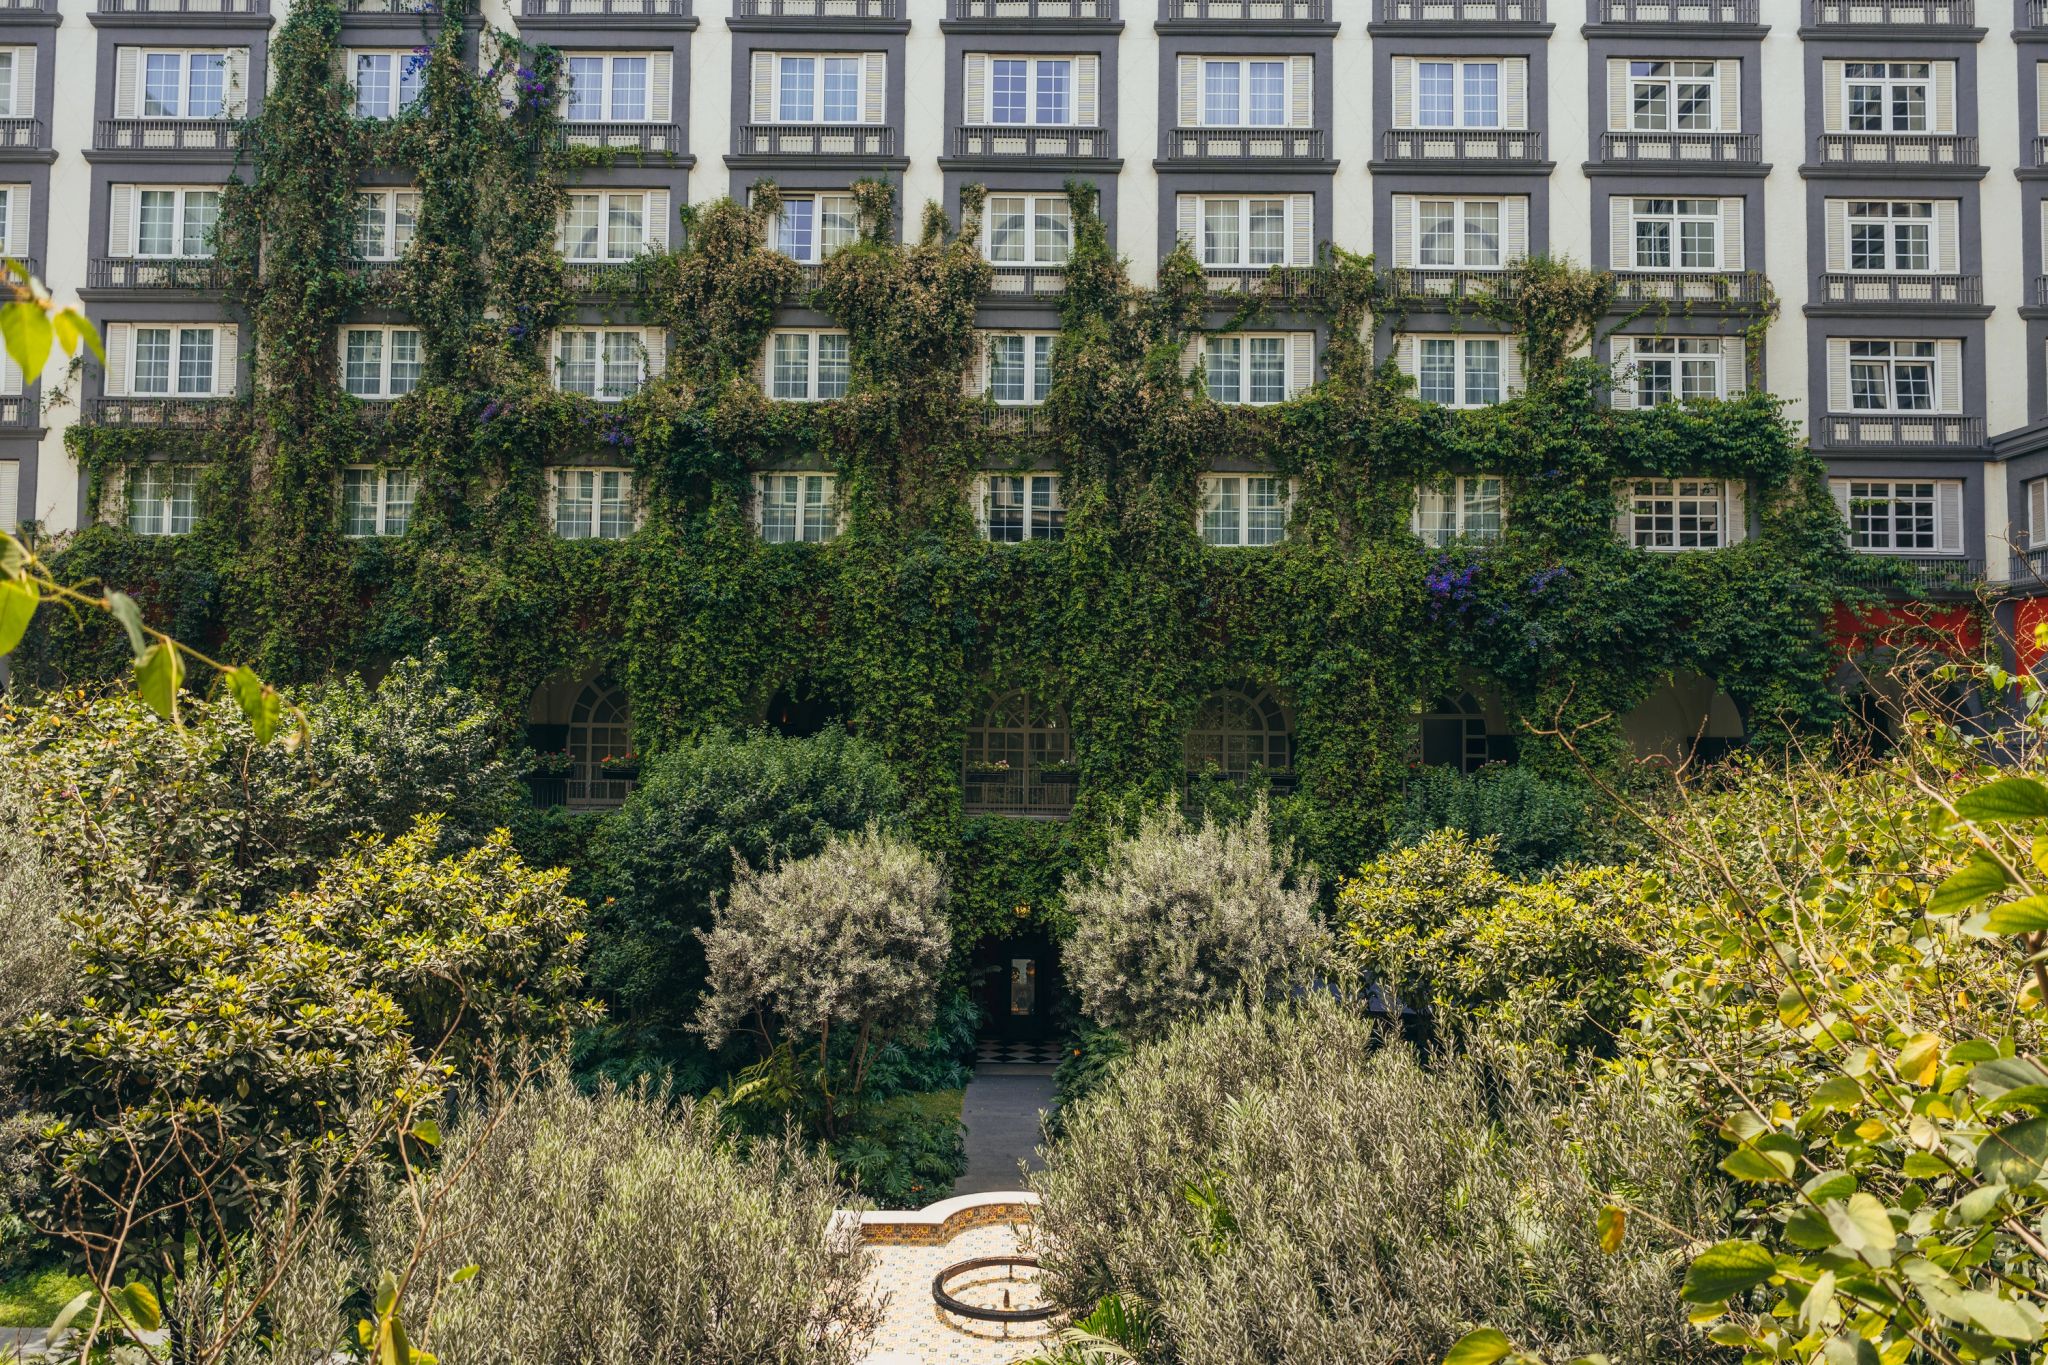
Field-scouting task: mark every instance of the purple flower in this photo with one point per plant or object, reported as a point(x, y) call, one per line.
point(1450, 587)
point(1540, 582)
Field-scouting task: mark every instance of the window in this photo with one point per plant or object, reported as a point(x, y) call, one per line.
point(384, 223)
point(1029, 229)
point(1891, 235)
point(1902, 516)
point(607, 88)
point(1238, 733)
point(1458, 234)
point(163, 499)
point(1246, 232)
point(1891, 376)
point(387, 83)
point(174, 361)
point(811, 227)
point(1254, 367)
point(173, 223)
point(1018, 759)
point(1020, 366)
point(1674, 369)
point(807, 366)
point(1466, 508)
point(1672, 97)
point(1031, 90)
point(1887, 97)
point(594, 504)
point(380, 362)
point(1452, 734)
point(610, 225)
point(14, 202)
point(1675, 234)
point(375, 502)
point(605, 363)
point(818, 89)
point(600, 728)
point(1020, 507)
point(798, 507)
point(1244, 93)
point(1245, 509)
point(1678, 514)
point(8, 78)
point(182, 84)
point(1460, 94)
point(1459, 371)
point(2037, 513)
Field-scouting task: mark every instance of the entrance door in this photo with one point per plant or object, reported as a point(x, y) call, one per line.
point(1017, 984)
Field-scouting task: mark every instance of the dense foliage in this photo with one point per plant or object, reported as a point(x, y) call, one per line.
point(1536, 822)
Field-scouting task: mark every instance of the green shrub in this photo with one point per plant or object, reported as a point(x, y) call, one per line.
point(1537, 822)
point(906, 1152)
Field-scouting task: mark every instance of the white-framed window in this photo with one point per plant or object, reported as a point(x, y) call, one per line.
point(1655, 370)
point(797, 506)
point(822, 87)
point(1245, 509)
point(1461, 371)
point(1892, 376)
point(593, 503)
point(182, 83)
point(2037, 513)
point(380, 362)
point(1890, 236)
point(810, 227)
point(1028, 229)
point(14, 220)
point(1887, 97)
point(1257, 367)
point(17, 82)
point(1677, 234)
point(610, 226)
point(1458, 93)
point(376, 501)
point(1031, 90)
point(1465, 508)
point(10, 495)
point(1246, 92)
point(386, 81)
point(1019, 366)
point(1019, 507)
point(1673, 97)
point(612, 87)
point(1458, 234)
point(1681, 514)
point(163, 499)
point(808, 366)
point(384, 223)
point(607, 363)
point(162, 222)
point(171, 359)
point(1902, 516)
point(1250, 230)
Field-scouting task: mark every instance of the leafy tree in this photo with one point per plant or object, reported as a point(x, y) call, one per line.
point(1535, 821)
point(1180, 919)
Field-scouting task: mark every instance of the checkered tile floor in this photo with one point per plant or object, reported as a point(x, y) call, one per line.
point(996, 1051)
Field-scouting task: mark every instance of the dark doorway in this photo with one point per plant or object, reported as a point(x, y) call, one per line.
point(1017, 983)
point(803, 707)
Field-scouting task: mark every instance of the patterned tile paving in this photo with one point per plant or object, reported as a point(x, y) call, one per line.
point(915, 1332)
point(995, 1050)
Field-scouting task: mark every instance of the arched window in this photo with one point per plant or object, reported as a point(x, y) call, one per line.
point(1018, 760)
point(600, 728)
point(1239, 733)
point(1454, 734)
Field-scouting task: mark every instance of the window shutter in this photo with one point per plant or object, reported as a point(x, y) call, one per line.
point(874, 86)
point(10, 495)
point(1737, 511)
point(764, 87)
point(1734, 367)
point(1301, 362)
point(127, 61)
point(654, 341)
point(1510, 367)
point(1621, 253)
point(1191, 354)
point(120, 341)
point(11, 381)
point(974, 383)
point(121, 221)
point(235, 100)
point(1404, 354)
point(562, 233)
point(974, 89)
point(982, 497)
point(1087, 81)
point(761, 361)
point(1404, 231)
point(656, 220)
point(1945, 254)
point(17, 220)
point(1188, 220)
point(2041, 98)
point(1943, 115)
point(1404, 92)
point(1731, 234)
point(1624, 513)
point(226, 352)
point(1728, 72)
point(1301, 210)
point(661, 86)
point(1617, 94)
point(1838, 374)
point(1840, 489)
point(1302, 104)
point(1837, 211)
point(25, 82)
point(1514, 92)
point(1831, 76)
point(1515, 227)
point(1948, 516)
point(2037, 512)
point(1190, 92)
point(1620, 353)
point(1948, 364)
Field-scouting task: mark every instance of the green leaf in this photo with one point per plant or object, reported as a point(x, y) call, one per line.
point(1808, 1229)
point(1924, 1166)
point(1613, 1226)
point(1847, 1350)
point(1980, 877)
point(1758, 1167)
point(464, 1275)
point(1481, 1346)
point(427, 1131)
point(137, 1302)
point(2009, 798)
point(1979, 1203)
point(159, 673)
point(1995, 1078)
point(2028, 915)
point(2015, 1155)
point(1822, 1186)
point(2000, 1317)
point(1813, 1309)
point(1724, 1270)
point(13, 554)
point(70, 1312)
point(80, 324)
point(123, 609)
point(26, 329)
point(259, 702)
point(18, 599)
point(1864, 1227)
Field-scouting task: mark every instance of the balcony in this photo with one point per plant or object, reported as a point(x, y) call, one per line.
point(249, 7)
point(1918, 151)
point(23, 134)
point(881, 10)
point(17, 413)
point(1892, 13)
point(162, 413)
point(1683, 149)
point(2037, 13)
point(566, 10)
point(165, 135)
point(1733, 12)
point(1248, 144)
point(1919, 574)
point(1909, 291)
point(1693, 289)
point(1462, 146)
point(22, 8)
point(1093, 11)
point(1014, 419)
point(1277, 283)
point(122, 272)
point(1008, 141)
point(1449, 285)
point(1244, 11)
point(1459, 12)
point(1027, 283)
point(1894, 431)
point(408, 7)
point(814, 139)
point(1015, 794)
point(647, 139)
point(601, 277)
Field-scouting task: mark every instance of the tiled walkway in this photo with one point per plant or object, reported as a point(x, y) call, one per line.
point(914, 1332)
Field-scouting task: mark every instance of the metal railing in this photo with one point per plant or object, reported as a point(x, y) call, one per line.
point(22, 132)
point(1886, 13)
point(1248, 144)
point(421, 7)
point(1014, 419)
point(818, 9)
point(38, 6)
point(1274, 282)
point(184, 6)
point(17, 412)
point(156, 412)
point(1459, 12)
point(1461, 144)
point(123, 272)
point(1027, 282)
point(1729, 288)
point(605, 9)
point(1677, 12)
point(653, 139)
point(1246, 11)
point(815, 139)
point(599, 277)
point(1914, 574)
point(1684, 148)
point(2037, 13)
point(1450, 285)
point(1015, 140)
point(1032, 9)
point(1017, 794)
point(1902, 289)
point(166, 135)
point(1895, 149)
point(1891, 430)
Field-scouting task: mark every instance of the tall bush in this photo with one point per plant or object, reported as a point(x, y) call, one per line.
point(1537, 822)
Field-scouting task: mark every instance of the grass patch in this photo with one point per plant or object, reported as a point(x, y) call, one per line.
point(933, 1106)
point(37, 1295)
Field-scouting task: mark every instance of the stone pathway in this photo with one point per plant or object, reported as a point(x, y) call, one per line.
point(1001, 1112)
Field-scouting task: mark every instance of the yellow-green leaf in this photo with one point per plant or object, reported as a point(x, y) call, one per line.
point(259, 702)
point(1724, 1270)
point(2009, 798)
point(1613, 1226)
point(1481, 1346)
point(26, 329)
point(1920, 1060)
point(18, 599)
point(122, 608)
point(1980, 877)
point(2028, 915)
point(159, 673)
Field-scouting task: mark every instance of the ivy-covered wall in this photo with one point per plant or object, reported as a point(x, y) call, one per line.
point(908, 616)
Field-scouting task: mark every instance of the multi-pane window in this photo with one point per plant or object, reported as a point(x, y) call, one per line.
point(1246, 368)
point(1678, 514)
point(376, 502)
point(172, 361)
point(1462, 234)
point(606, 363)
point(1029, 229)
point(1457, 94)
point(380, 362)
point(797, 507)
point(1675, 234)
point(1020, 366)
point(810, 227)
point(819, 88)
point(607, 88)
point(384, 223)
point(808, 366)
point(1672, 97)
point(13, 206)
point(387, 83)
point(1244, 92)
point(1245, 232)
point(9, 78)
point(1465, 508)
point(175, 222)
point(163, 499)
point(1459, 371)
point(1020, 507)
point(1891, 234)
point(1901, 516)
point(1887, 97)
point(1674, 369)
point(184, 84)
point(606, 225)
point(1892, 376)
point(1031, 90)
point(594, 504)
point(1244, 509)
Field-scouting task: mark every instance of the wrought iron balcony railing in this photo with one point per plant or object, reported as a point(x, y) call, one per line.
point(1691, 287)
point(413, 7)
point(1247, 144)
point(1685, 149)
point(818, 9)
point(1874, 288)
point(1450, 286)
point(1891, 13)
point(249, 7)
point(1275, 282)
point(1744, 12)
point(815, 139)
point(23, 132)
point(30, 6)
point(170, 413)
point(1015, 794)
point(650, 139)
point(1915, 573)
point(1483, 145)
point(600, 277)
point(2037, 13)
point(124, 272)
point(1894, 430)
point(604, 9)
point(1245, 11)
point(166, 135)
point(1459, 11)
point(1051, 10)
point(17, 412)
point(1028, 282)
point(1029, 143)
point(1918, 150)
